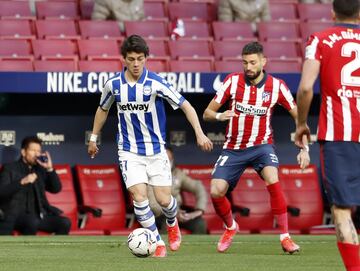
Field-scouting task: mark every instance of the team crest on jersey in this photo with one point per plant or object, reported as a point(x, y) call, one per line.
point(147, 90)
point(266, 96)
point(116, 91)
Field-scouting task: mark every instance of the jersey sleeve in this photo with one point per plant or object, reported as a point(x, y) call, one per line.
point(285, 99)
point(169, 93)
point(107, 97)
point(313, 48)
point(223, 94)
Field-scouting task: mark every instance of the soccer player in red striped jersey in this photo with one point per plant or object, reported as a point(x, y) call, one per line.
point(335, 54)
point(252, 96)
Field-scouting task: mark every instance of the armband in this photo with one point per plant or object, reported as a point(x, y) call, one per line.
point(217, 116)
point(93, 138)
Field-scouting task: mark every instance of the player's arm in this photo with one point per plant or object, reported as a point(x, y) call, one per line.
point(211, 112)
point(99, 120)
point(304, 97)
point(202, 140)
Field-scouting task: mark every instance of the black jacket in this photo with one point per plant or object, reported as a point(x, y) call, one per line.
point(14, 197)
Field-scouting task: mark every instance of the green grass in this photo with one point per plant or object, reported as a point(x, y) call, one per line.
point(248, 252)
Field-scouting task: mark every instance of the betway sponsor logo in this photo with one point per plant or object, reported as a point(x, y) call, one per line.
point(348, 93)
point(50, 138)
point(134, 107)
point(250, 109)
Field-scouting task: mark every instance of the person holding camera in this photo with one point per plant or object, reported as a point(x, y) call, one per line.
point(23, 203)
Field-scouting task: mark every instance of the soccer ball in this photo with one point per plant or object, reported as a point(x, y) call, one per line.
point(142, 242)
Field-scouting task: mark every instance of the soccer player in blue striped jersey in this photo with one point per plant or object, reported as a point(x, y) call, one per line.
point(139, 95)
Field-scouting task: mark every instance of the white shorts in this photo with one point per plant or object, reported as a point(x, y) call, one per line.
point(154, 170)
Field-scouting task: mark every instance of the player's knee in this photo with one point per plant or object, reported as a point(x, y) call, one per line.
point(164, 201)
point(217, 190)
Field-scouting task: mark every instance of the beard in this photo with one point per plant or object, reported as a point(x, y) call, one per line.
point(253, 76)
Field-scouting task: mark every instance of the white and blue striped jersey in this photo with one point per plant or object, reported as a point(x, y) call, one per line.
point(141, 112)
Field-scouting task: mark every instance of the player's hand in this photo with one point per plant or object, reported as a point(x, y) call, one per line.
point(92, 149)
point(302, 130)
point(47, 164)
point(204, 142)
point(30, 178)
point(227, 115)
point(303, 158)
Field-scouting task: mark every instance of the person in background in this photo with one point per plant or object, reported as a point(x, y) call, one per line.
point(119, 10)
point(334, 54)
point(23, 201)
point(191, 220)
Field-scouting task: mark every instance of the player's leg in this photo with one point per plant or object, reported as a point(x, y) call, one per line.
point(340, 166)
point(227, 171)
point(159, 172)
point(266, 163)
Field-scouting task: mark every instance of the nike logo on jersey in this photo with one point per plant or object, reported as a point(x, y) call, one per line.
point(250, 109)
point(134, 107)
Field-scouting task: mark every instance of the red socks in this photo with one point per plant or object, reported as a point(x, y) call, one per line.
point(223, 209)
point(350, 256)
point(278, 206)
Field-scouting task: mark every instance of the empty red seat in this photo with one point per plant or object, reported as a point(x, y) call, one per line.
point(197, 30)
point(100, 29)
point(191, 65)
point(57, 9)
point(44, 49)
point(302, 192)
point(188, 10)
point(56, 29)
point(147, 29)
point(55, 65)
point(228, 66)
point(233, 30)
point(14, 29)
point(278, 31)
point(283, 11)
point(156, 10)
point(158, 48)
point(315, 12)
point(100, 187)
point(157, 64)
point(251, 201)
point(98, 49)
point(100, 65)
point(15, 49)
point(190, 49)
point(281, 49)
point(228, 49)
point(283, 66)
point(15, 10)
point(16, 65)
point(308, 28)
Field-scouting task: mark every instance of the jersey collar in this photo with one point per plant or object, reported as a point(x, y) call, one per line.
point(260, 84)
point(141, 79)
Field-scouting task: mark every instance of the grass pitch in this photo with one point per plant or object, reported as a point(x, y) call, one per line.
point(198, 253)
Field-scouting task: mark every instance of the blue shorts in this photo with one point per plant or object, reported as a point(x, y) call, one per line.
point(232, 163)
point(340, 169)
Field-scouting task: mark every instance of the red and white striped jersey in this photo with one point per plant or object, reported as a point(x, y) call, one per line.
point(338, 50)
point(254, 106)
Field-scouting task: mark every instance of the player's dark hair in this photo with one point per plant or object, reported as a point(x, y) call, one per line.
point(346, 9)
point(28, 140)
point(136, 44)
point(253, 48)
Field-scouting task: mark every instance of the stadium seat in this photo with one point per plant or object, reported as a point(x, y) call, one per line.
point(189, 10)
point(100, 65)
point(56, 9)
point(197, 30)
point(283, 66)
point(251, 202)
point(56, 29)
point(233, 31)
point(158, 48)
point(16, 65)
point(86, 8)
point(55, 65)
point(308, 28)
point(278, 31)
point(281, 49)
point(157, 64)
point(302, 192)
point(15, 49)
point(228, 66)
point(100, 29)
point(156, 10)
point(315, 12)
point(15, 29)
point(191, 65)
point(190, 49)
point(64, 49)
point(98, 49)
point(15, 10)
point(147, 29)
point(228, 49)
point(101, 193)
point(203, 173)
point(283, 12)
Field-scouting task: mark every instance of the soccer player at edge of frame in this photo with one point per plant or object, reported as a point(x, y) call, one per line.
point(249, 141)
point(334, 53)
point(139, 95)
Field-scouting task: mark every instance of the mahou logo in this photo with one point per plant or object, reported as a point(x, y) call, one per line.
point(50, 138)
